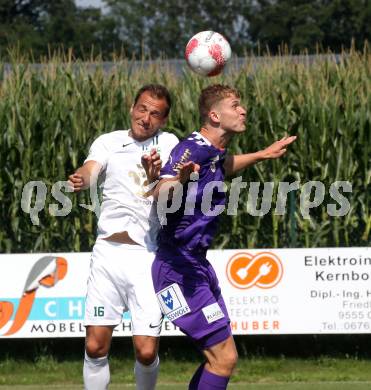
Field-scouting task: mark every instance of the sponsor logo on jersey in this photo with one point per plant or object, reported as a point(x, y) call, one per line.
point(172, 302)
point(212, 312)
point(183, 159)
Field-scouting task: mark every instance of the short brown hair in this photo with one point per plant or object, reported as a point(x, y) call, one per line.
point(156, 90)
point(212, 95)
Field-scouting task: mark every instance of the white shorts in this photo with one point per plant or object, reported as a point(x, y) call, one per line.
point(120, 280)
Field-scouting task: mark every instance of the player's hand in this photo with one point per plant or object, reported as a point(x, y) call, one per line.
point(76, 182)
point(152, 165)
point(278, 148)
point(186, 170)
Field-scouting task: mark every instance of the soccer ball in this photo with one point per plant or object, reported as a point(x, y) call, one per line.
point(207, 53)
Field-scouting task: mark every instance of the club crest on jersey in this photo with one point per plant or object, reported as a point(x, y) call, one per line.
point(172, 302)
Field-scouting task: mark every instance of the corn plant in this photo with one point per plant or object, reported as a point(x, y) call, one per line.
point(51, 113)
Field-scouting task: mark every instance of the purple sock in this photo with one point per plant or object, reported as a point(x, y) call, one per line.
point(205, 380)
point(193, 384)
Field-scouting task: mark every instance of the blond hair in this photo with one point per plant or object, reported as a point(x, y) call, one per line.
point(212, 95)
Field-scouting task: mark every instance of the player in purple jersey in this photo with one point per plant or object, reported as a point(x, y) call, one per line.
point(186, 285)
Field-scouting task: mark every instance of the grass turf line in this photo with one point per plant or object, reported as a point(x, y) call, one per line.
point(49, 371)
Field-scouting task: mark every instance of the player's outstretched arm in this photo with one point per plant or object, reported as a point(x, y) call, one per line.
point(84, 176)
point(237, 162)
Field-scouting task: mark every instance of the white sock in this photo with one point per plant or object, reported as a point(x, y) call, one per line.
point(146, 376)
point(96, 373)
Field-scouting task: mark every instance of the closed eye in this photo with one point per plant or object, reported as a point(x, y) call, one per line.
point(157, 115)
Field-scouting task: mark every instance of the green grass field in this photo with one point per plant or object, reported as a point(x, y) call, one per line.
point(236, 386)
point(323, 373)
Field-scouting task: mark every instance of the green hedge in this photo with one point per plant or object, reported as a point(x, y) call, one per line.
point(50, 115)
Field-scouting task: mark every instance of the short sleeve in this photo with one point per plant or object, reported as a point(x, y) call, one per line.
point(181, 154)
point(98, 151)
point(168, 144)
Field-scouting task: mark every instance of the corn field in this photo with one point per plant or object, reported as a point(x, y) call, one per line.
point(50, 115)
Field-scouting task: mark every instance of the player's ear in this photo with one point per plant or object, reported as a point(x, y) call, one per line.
point(131, 108)
point(214, 116)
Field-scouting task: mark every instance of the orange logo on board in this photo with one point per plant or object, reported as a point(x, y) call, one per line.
point(47, 272)
point(263, 270)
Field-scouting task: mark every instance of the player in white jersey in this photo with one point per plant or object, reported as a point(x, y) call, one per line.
point(120, 274)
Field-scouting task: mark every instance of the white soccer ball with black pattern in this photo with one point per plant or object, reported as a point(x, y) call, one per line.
point(207, 53)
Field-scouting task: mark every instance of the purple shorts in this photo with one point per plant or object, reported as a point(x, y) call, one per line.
point(190, 296)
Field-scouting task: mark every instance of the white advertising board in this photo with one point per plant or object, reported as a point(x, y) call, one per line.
point(275, 291)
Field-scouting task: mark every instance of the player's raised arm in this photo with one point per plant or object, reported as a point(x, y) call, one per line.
point(237, 162)
point(84, 176)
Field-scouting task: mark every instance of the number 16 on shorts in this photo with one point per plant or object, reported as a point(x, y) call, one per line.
point(98, 311)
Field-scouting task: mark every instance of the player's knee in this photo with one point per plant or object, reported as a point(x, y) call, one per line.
point(96, 349)
point(230, 361)
point(226, 363)
point(146, 355)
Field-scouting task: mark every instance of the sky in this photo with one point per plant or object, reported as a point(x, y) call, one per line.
point(89, 3)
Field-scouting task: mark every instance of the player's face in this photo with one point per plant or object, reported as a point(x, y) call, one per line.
point(148, 115)
point(232, 115)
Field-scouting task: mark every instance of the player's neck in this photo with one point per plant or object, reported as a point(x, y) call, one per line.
point(216, 136)
point(140, 139)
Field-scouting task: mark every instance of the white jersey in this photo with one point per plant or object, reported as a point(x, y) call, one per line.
point(125, 205)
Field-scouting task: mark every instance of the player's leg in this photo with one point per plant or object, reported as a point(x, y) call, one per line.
point(96, 369)
point(103, 311)
point(218, 346)
point(147, 361)
point(146, 320)
point(193, 302)
point(221, 359)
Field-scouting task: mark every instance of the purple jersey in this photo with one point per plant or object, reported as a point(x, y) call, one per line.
point(192, 227)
